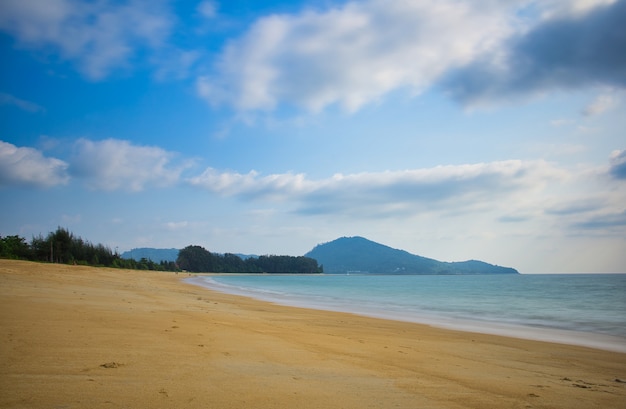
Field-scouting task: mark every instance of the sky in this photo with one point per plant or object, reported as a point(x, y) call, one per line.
point(485, 129)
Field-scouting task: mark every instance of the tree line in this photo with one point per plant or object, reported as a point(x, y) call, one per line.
point(61, 246)
point(197, 259)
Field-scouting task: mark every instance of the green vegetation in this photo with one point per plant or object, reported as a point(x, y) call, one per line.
point(341, 256)
point(63, 247)
point(14, 247)
point(198, 259)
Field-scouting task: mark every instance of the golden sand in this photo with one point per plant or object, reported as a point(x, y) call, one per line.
point(80, 337)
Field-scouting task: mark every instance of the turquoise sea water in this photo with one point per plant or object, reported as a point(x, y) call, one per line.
point(581, 309)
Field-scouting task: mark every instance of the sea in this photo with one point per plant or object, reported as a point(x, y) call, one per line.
point(576, 309)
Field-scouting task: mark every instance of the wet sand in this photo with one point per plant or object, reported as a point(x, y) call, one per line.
point(80, 337)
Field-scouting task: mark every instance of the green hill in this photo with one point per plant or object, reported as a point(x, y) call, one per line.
point(359, 255)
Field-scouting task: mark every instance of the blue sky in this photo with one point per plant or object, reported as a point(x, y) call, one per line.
point(456, 130)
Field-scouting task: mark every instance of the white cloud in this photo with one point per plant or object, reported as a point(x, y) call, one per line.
point(278, 186)
point(557, 8)
point(97, 36)
point(207, 9)
point(28, 166)
point(175, 63)
point(572, 48)
point(618, 164)
point(113, 164)
point(358, 52)
point(350, 55)
point(176, 225)
point(442, 188)
point(600, 104)
point(8, 99)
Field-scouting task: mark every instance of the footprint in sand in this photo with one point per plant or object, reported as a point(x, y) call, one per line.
point(110, 365)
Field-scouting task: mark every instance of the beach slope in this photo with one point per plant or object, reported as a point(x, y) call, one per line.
point(81, 337)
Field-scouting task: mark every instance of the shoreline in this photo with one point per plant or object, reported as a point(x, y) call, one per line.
point(100, 338)
point(605, 342)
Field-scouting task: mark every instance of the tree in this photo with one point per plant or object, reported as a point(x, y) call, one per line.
point(196, 259)
point(14, 247)
point(40, 248)
point(61, 246)
point(231, 263)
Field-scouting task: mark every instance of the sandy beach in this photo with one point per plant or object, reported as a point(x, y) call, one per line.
point(81, 337)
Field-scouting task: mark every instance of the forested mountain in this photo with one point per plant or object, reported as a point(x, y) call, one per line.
point(359, 255)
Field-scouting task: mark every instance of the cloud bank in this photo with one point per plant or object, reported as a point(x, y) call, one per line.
point(346, 55)
point(28, 167)
point(618, 164)
point(564, 52)
point(536, 193)
point(393, 192)
point(357, 53)
point(113, 164)
point(110, 164)
point(97, 36)
point(512, 190)
point(349, 55)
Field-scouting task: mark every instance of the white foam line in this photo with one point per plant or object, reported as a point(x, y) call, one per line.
point(568, 337)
